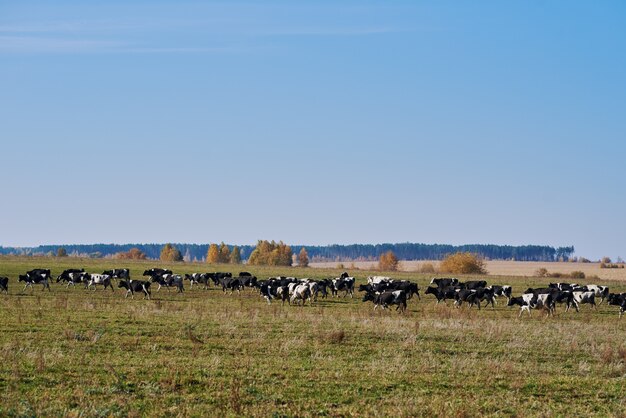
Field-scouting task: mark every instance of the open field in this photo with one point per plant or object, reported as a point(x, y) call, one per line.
point(500, 268)
point(93, 353)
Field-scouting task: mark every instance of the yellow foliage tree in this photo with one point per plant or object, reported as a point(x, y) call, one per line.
point(224, 256)
point(388, 261)
point(235, 255)
point(213, 255)
point(170, 253)
point(132, 254)
point(303, 258)
point(271, 254)
point(462, 263)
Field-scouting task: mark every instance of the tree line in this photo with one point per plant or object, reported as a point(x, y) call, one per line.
point(403, 251)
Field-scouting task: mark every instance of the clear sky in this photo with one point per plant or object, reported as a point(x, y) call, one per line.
point(314, 122)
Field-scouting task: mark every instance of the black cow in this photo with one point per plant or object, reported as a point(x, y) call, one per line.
point(440, 293)
point(118, 273)
point(4, 285)
point(45, 273)
point(617, 299)
point(566, 297)
point(231, 284)
point(135, 286)
point(396, 297)
point(466, 295)
point(409, 288)
point(245, 274)
point(473, 285)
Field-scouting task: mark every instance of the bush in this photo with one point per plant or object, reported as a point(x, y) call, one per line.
point(427, 268)
point(542, 272)
point(463, 263)
point(577, 275)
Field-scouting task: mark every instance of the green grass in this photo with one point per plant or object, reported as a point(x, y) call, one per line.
point(94, 353)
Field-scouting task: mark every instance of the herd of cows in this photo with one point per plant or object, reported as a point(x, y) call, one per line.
point(381, 290)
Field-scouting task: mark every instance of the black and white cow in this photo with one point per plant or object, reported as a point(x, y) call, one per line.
point(617, 299)
point(588, 297)
point(599, 291)
point(4, 285)
point(501, 291)
point(98, 279)
point(135, 286)
point(45, 273)
point(396, 297)
point(231, 283)
point(156, 272)
point(73, 278)
point(442, 293)
point(466, 295)
point(530, 301)
point(198, 278)
point(31, 279)
point(118, 273)
point(409, 287)
point(474, 284)
point(444, 281)
point(343, 283)
point(65, 276)
point(301, 292)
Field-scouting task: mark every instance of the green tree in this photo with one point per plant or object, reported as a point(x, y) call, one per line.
point(303, 258)
point(235, 255)
point(213, 255)
point(170, 253)
point(61, 252)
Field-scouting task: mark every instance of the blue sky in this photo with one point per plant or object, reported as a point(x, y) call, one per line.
point(314, 122)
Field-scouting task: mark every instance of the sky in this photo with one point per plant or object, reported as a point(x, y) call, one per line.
point(314, 122)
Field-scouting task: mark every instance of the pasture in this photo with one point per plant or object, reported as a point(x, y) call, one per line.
point(76, 352)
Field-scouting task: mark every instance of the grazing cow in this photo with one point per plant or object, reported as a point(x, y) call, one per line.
point(396, 297)
point(342, 283)
point(4, 285)
point(588, 297)
point(617, 299)
point(118, 273)
point(445, 282)
point(301, 292)
point(466, 295)
point(135, 286)
point(442, 294)
point(98, 279)
point(33, 279)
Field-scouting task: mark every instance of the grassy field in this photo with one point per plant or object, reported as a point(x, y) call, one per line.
point(503, 268)
point(94, 353)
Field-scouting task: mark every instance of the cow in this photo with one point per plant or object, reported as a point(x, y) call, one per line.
point(245, 274)
point(72, 276)
point(35, 278)
point(135, 286)
point(342, 283)
point(396, 297)
point(499, 291)
point(530, 301)
point(409, 288)
point(156, 272)
point(4, 285)
point(65, 276)
point(377, 279)
point(301, 292)
point(466, 295)
point(588, 297)
point(442, 294)
point(173, 280)
point(473, 285)
point(444, 282)
point(198, 278)
point(599, 291)
point(45, 273)
point(566, 297)
point(96, 279)
point(118, 273)
point(231, 284)
point(617, 299)
point(486, 294)
point(248, 281)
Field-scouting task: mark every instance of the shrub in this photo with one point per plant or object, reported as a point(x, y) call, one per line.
point(463, 263)
point(577, 275)
point(427, 268)
point(542, 272)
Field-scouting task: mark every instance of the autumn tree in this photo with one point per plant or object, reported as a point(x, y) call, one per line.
point(235, 255)
point(303, 258)
point(213, 255)
point(463, 263)
point(271, 254)
point(61, 252)
point(132, 254)
point(170, 253)
point(388, 261)
point(224, 256)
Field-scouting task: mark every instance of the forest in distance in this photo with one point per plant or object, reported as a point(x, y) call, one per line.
point(317, 253)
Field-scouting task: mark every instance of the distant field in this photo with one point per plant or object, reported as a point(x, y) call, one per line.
point(74, 352)
point(501, 268)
